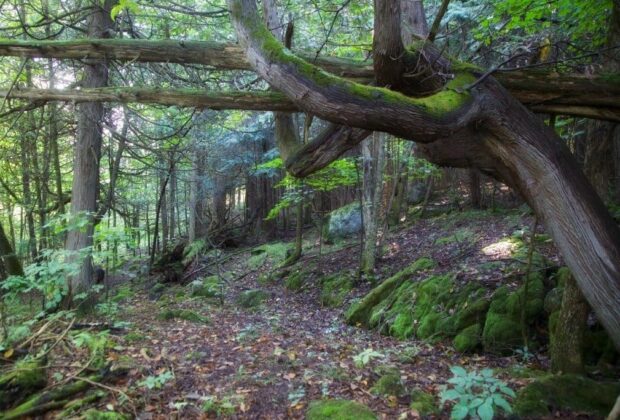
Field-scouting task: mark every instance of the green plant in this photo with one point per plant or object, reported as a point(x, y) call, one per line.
point(157, 382)
point(524, 354)
point(476, 394)
point(365, 357)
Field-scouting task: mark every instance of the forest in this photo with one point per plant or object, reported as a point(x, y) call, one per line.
point(310, 209)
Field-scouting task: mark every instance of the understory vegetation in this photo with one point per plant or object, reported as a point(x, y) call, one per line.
point(387, 209)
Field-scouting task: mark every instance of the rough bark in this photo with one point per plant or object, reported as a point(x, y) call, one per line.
point(567, 340)
point(87, 155)
point(484, 128)
point(12, 264)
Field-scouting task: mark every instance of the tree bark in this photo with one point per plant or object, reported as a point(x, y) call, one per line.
point(87, 155)
point(11, 263)
point(483, 127)
point(566, 347)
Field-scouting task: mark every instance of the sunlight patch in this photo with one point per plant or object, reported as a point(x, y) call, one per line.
point(501, 249)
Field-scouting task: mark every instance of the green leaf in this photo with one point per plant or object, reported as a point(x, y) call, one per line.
point(502, 403)
point(459, 412)
point(458, 371)
point(485, 411)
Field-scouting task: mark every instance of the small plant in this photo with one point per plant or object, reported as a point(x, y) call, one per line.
point(221, 406)
point(524, 354)
point(157, 382)
point(362, 359)
point(476, 394)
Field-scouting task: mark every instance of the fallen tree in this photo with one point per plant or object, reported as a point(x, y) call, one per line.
point(543, 91)
point(470, 122)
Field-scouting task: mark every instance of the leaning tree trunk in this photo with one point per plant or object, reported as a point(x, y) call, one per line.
point(87, 155)
point(471, 122)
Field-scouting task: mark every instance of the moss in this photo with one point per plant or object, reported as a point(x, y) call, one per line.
point(208, 287)
point(388, 384)
point(168, 314)
point(471, 313)
point(362, 311)
point(566, 392)
point(94, 414)
point(428, 325)
point(553, 300)
point(25, 378)
point(134, 336)
point(252, 298)
point(562, 274)
point(468, 339)
point(339, 410)
point(461, 235)
point(295, 281)
point(501, 333)
point(423, 403)
point(335, 288)
point(534, 302)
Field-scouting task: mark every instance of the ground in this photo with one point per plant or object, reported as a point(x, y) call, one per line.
point(263, 350)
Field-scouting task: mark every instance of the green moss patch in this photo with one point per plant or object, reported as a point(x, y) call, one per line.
point(295, 281)
point(252, 298)
point(169, 314)
point(335, 288)
point(566, 392)
point(388, 384)
point(468, 339)
point(209, 287)
point(25, 378)
point(339, 410)
point(423, 403)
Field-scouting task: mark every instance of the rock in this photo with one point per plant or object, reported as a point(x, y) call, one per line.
point(252, 298)
point(553, 300)
point(208, 287)
point(416, 192)
point(344, 222)
point(566, 392)
point(339, 410)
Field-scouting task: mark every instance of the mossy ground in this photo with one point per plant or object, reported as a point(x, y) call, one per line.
point(185, 314)
point(335, 288)
point(566, 392)
point(339, 410)
point(423, 402)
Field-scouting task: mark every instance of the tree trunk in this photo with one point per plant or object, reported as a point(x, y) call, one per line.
point(87, 155)
point(465, 126)
point(475, 193)
point(374, 159)
point(12, 264)
point(567, 338)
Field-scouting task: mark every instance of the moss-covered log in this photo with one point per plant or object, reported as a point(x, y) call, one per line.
point(21, 380)
point(49, 400)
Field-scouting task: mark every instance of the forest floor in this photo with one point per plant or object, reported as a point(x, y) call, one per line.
point(273, 360)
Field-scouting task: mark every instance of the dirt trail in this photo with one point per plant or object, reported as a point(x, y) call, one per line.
point(272, 361)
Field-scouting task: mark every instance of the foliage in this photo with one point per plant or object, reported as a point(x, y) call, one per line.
point(158, 381)
point(476, 394)
point(340, 173)
point(365, 357)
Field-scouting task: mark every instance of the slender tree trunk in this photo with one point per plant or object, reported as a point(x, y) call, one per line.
point(11, 263)
point(373, 156)
point(85, 187)
point(474, 188)
point(163, 211)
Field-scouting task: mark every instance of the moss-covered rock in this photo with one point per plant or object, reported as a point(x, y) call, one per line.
point(553, 300)
point(94, 414)
point(168, 314)
point(334, 288)
point(208, 287)
point(388, 384)
point(423, 403)
point(468, 339)
point(25, 378)
point(344, 222)
point(339, 410)
point(252, 298)
point(361, 312)
point(566, 392)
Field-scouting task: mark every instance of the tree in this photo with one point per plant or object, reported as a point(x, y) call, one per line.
point(88, 153)
point(472, 121)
